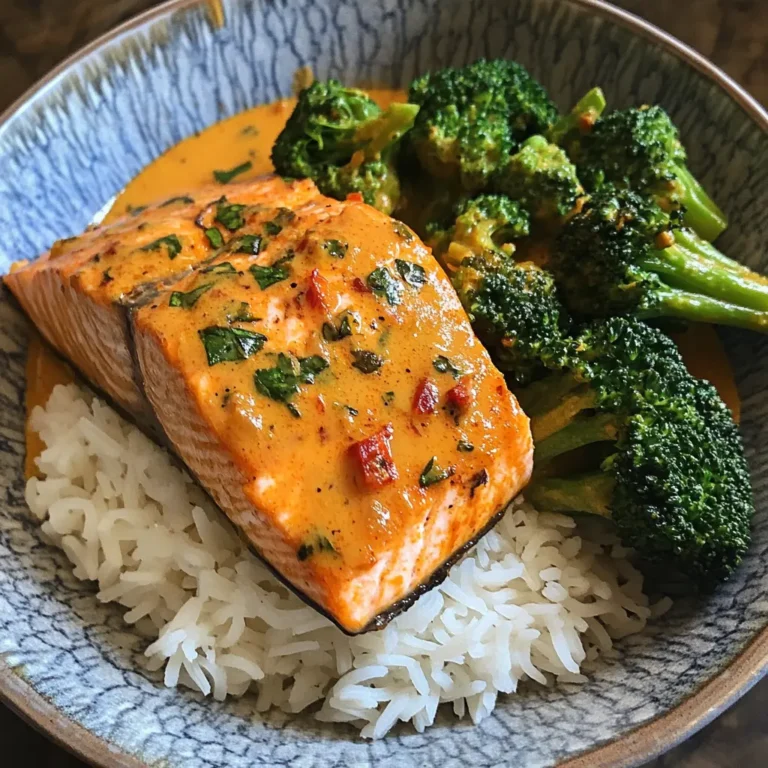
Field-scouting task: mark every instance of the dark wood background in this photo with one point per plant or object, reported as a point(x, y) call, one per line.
point(35, 35)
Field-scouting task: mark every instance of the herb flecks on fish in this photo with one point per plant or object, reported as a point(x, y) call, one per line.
point(230, 345)
point(171, 243)
point(385, 286)
point(224, 177)
point(433, 473)
point(189, 299)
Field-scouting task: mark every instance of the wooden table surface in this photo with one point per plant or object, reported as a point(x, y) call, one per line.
point(36, 34)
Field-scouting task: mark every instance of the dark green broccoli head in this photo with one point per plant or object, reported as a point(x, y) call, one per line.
point(599, 255)
point(630, 364)
point(658, 452)
point(682, 494)
point(322, 129)
point(640, 149)
point(471, 119)
point(340, 138)
point(376, 180)
point(485, 222)
point(637, 148)
point(622, 254)
point(541, 178)
point(515, 311)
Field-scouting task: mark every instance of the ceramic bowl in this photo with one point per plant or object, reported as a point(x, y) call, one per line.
point(67, 662)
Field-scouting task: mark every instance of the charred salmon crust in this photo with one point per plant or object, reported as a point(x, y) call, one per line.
point(288, 367)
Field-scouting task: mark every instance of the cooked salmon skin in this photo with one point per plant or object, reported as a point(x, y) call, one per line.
point(317, 374)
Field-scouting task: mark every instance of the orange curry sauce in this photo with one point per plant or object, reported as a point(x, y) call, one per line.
point(248, 137)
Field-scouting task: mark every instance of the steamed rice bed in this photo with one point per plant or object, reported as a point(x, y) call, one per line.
point(532, 601)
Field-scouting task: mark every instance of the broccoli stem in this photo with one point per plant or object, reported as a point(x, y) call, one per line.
point(701, 212)
point(702, 309)
point(384, 130)
point(590, 493)
point(695, 272)
point(581, 118)
point(688, 240)
point(579, 432)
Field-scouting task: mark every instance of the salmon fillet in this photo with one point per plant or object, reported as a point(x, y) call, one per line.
point(315, 371)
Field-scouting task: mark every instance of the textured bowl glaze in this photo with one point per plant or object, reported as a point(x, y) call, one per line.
point(67, 662)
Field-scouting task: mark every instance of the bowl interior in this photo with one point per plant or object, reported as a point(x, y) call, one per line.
point(81, 138)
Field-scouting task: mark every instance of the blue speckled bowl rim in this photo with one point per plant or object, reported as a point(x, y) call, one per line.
point(629, 751)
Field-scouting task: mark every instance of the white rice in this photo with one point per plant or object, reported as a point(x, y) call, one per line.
point(532, 601)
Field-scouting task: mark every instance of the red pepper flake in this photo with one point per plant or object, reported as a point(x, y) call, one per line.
point(426, 397)
point(355, 197)
point(373, 455)
point(460, 396)
point(359, 285)
point(317, 293)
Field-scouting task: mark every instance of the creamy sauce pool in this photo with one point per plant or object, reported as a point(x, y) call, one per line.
point(248, 137)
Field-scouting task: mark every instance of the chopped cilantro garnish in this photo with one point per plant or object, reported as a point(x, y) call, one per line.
point(402, 230)
point(311, 366)
point(433, 473)
point(135, 210)
point(242, 314)
point(388, 398)
point(171, 243)
point(333, 333)
point(230, 344)
point(250, 244)
point(336, 248)
point(443, 365)
point(230, 215)
point(214, 237)
point(366, 361)
point(384, 285)
point(222, 268)
point(464, 446)
point(269, 275)
point(272, 228)
point(281, 382)
point(224, 177)
point(411, 273)
point(181, 200)
point(189, 299)
point(106, 276)
point(320, 544)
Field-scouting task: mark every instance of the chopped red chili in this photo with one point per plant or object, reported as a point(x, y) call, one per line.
point(373, 456)
point(359, 285)
point(426, 397)
point(317, 293)
point(460, 396)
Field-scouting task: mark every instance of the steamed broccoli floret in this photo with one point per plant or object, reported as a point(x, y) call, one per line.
point(542, 179)
point(482, 223)
point(515, 312)
point(473, 118)
point(640, 149)
point(658, 452)
point(340, 138)
point(513, 307)
point(580, 120)
point(621, 254)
